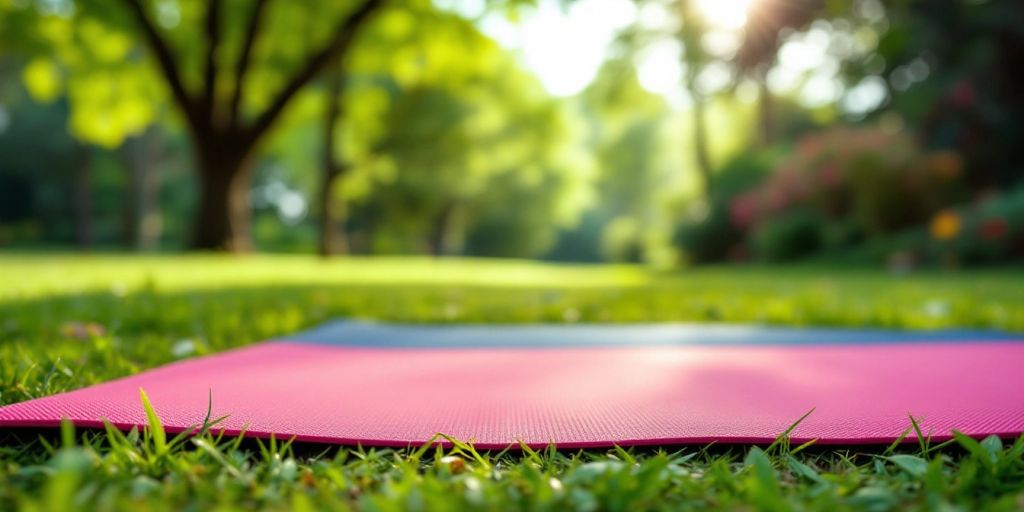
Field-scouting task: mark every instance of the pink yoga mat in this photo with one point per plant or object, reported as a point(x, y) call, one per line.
point(571, 390)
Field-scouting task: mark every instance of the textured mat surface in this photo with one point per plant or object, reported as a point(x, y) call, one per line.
point(575, 386)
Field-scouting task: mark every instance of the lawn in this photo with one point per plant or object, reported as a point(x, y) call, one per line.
point(67, 321)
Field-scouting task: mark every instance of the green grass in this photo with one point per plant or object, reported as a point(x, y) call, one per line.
point(70, 321)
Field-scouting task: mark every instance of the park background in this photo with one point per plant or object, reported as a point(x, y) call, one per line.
point(658, 132)
point(169, 170)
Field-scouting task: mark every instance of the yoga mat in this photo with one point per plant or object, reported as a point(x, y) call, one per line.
point(575, 386)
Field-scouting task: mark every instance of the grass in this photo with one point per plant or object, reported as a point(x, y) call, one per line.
point(70, 321)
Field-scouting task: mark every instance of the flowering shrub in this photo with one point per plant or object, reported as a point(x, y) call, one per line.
point(987, 230)
point(992, 230)
point(862, 182)
point(710, 234)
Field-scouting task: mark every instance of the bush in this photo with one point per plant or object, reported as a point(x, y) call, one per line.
point(709, 234)
point(789, 237)
point(990, 230)
point(859, 183)
point(880, 180)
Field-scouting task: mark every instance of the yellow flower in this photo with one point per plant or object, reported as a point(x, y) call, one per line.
point(945, 225)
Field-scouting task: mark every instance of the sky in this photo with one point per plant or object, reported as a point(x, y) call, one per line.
point(565, 47)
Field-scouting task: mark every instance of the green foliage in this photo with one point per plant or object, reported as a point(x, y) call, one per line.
point(990, 230)
point(710, 234)
point(210, 471)
point(83, 51)
point(39, 161)
point(789, 236)
point(968, 98)
point(842, 185)
point(42, 80)
point(629, 144)
point(883, 181)
point(155, 430)
point(476, 161)
point(70, 321)
point(93, 52)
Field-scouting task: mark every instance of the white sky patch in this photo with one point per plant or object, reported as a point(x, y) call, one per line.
point(865, 96)
point(291, 204)
point(731, 14)
point(805, 53)
point(820, 89)
point(714, 77)
point(659, 71)
point(564, 47)
point(805, 67)
point(721, 43)
point(291, 207)
point(656, 16)
point(468, 8)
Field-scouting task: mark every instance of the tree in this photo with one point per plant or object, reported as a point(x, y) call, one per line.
point(224, 142)
point(207, 62)
point(954, 75)
point(332, 240)
point(692, 29)
point(437, 47)
point(473, 156)
point(767, 22)
point(629, 146)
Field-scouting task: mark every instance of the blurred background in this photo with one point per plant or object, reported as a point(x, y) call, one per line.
point(668, 132)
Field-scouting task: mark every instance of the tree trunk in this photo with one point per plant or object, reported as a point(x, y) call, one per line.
point(700, 145)
point(766, 108)
point(82, 200)
point(141, 221)
point(224, 149)
point(223, 218)
point(129, 210)
point(332, 239)
point(694, 59)
point(332, 235)
point(437, 241)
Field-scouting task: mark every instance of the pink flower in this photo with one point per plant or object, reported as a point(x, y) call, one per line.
point(831, 175)
point(962, 95)
point(993, 229)
point(744, 209)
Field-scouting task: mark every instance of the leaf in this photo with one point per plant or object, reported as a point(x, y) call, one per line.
point(803, 470)
point(42, 80)
point(156, 429)
point(975, 448)
point(67, 433)
point(873, 498)
point(589, 472)
point(758, 461)
point(994, 446)
point(783, 438)
point(911, 464)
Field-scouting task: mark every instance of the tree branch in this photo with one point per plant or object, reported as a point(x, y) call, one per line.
point(336, 48)
point(242, 66)
point(213, 15)
point(167, 63)
point(334, 112)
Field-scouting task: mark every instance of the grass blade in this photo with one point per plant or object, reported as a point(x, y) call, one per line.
point(156, 428)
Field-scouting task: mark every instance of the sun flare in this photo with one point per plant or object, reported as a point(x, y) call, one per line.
point(729, 14)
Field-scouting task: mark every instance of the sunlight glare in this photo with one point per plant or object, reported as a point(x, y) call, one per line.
point(565, 47)
point(730, 14)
